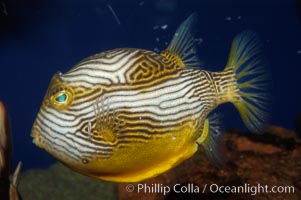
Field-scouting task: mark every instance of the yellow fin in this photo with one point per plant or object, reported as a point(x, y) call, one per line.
point(182, 51)
point(210, 140)
point(246, 61)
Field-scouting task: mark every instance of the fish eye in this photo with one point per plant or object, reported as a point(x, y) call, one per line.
point(61, 97)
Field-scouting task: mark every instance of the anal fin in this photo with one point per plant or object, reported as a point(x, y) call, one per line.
point(210, 140)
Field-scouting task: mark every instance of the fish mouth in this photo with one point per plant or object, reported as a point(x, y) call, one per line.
point(35, 134)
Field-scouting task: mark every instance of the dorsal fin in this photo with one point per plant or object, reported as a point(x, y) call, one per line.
point(182, 50)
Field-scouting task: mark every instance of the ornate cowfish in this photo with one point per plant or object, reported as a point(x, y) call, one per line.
point(130, 114)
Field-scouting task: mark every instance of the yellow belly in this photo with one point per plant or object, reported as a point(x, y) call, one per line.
point(144, 160)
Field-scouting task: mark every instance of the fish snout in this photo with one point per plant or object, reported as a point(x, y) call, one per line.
point(36, 135)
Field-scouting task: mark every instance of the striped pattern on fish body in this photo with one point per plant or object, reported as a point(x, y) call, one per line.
point(130, 114)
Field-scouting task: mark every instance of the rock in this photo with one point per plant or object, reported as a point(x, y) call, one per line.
point(59, 182)
point(244, 144)
point(282, 132)
point(296, 153)
point(298, 184)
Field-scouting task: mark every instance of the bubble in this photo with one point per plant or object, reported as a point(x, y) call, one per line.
point(156, 50)
point(163, 27)
point(228, 18)
point(155, 27)
point(198, 40)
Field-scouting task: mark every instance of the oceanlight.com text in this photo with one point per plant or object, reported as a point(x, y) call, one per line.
point(191, 188)
point(250, 189)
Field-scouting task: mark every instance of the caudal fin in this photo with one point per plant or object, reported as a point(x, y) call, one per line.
point(247, 62)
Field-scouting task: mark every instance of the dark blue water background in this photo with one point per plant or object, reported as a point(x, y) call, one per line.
point(41, 37)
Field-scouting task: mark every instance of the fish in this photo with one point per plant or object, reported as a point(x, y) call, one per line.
point(127, 114)
point(8, 181)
